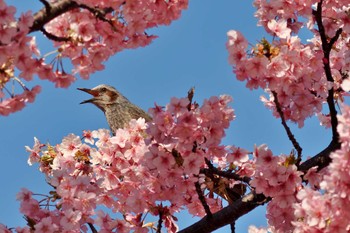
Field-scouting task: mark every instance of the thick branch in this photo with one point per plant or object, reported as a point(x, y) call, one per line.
point(327, 47)
point(56, 9)
point(322, 159)
point(46, 4)
point(160, 222)
point(227, 215)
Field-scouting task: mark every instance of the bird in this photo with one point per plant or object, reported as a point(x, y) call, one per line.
point(117, 108)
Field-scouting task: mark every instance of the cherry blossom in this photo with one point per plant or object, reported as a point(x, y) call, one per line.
point(177, 161)
point(85, 33)
point(137, 162)
point(279, 28)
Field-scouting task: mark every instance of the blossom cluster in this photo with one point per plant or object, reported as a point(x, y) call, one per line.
point(86, 35)
point(318, 205)
point(15, 45)
point(291, 69)
point(145, 168)
point(326, 211)
point(278, 178)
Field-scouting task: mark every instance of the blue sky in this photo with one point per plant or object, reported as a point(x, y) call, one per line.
point(189, 52)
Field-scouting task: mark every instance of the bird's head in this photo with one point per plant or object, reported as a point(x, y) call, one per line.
point(103, 96)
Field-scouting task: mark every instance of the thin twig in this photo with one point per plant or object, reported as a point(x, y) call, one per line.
point(211, 170)
point(8, 92)
point(92, 227)
point(287, 129)
point(100, 14)
point(202, 200)
point(190, 95)
point(20, 83)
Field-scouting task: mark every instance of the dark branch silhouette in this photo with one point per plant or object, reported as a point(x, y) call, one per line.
point(327, 47)
point(228, 214)
point(43, 16)
point(54, 37)
point(160, 222)
point(286, 127)
point(202, 200)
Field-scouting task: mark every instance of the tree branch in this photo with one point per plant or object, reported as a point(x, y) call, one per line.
point(53, 10)
point(54, 37)
point(233, 227)
point(46, 4)
point(44, 16)
point(190, 95)
point(92, 227)
point(247, 203)
point(160, 222)
point(202, 200)
point(97, 12)
point(286, 127)
point(322, 159)
point(211, 170)
point(227, 215)
point(327, 47)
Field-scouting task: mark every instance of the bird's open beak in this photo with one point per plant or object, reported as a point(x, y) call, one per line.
point(91, 92)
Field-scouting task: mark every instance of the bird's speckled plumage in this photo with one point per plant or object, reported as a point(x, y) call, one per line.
point(117, 108)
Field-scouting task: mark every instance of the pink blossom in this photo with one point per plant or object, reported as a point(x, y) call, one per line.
point(236, 40)
point(254, 229)
point(346, 85)
point(70, 143)
point(7, 13)
point(4, 229)
point(146, 164)
point(237, 155)
point(279, 28)
point(163, 161)
point(120, 138)
point(70, 219)
point(88, 138)
point(63, 79)
point(34, 156)
point(178, 105)
point(25, 21)
point(46, 225)
point(6, 34)
point(313, 177)
point(24, 195)
point(22, 230)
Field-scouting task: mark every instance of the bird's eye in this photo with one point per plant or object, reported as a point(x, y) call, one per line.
point(103, 89)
